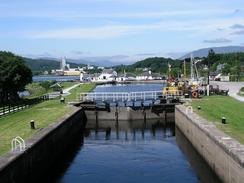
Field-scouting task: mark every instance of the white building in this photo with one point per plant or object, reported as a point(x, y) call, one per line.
point(145, 76)
point(106, 75)
point(66, 70)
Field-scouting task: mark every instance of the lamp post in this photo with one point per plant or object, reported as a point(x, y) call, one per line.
point(208, 77)
point(207, 68)
point(208, 71)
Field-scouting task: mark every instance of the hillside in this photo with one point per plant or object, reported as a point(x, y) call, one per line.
point(218, 50)
point(156, 65)
point(40, 65)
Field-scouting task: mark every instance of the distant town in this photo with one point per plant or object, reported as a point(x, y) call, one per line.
point(105, 74)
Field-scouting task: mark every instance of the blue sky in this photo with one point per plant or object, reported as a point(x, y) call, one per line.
point(136, 28)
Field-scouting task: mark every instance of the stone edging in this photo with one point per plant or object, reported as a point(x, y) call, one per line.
point(228, 144)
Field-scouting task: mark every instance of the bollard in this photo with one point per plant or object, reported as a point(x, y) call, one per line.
point(199, 107)
point(32, 124)
point(223, 120)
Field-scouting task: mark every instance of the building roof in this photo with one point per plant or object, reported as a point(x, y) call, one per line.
point(107, 71)
point(145, 74)
point(156, 75)
point(56, 85)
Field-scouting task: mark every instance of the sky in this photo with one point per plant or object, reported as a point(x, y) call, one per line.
point(127, 29)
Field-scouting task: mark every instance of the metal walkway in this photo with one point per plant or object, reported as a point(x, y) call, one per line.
point(125, 96)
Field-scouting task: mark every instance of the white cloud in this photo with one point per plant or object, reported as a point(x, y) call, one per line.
point(199, 27)
point(71, 14)
point(218, 40)
point(84, 33)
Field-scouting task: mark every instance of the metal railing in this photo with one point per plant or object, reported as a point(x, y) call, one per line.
point(124, 96)
point(18, 142)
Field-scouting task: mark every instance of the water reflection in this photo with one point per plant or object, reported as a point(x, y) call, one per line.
point(134, 151)
point(129, 87)
point(133, 130)
point(203, 170)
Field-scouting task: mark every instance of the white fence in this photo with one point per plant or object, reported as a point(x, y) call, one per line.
point(123, 96)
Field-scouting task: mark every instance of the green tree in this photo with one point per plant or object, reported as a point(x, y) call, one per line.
point(14, 76)
point(46, 84)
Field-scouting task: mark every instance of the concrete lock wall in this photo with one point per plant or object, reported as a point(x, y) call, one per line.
point(223, 154)
point(126, 114)
point(43, 150)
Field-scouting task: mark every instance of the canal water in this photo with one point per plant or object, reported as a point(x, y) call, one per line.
point(135, 151)
point(129, 87)
point(55, 78)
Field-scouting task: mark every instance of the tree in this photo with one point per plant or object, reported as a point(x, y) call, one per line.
point(46, 84)
point(14, 76)
point(212, 57)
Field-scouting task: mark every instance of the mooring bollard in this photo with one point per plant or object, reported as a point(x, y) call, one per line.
point(32, 124)
point(223, 120)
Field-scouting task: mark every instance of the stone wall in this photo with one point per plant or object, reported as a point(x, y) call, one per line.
point(224, 154)
point(43, 150)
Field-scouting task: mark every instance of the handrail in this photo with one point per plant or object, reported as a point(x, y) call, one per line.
point(125, 96)
point(18, 142)
point(189, 108)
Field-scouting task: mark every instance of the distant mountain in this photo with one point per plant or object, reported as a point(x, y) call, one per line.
point(204, 52)
point(107, 61)
point(46, 64)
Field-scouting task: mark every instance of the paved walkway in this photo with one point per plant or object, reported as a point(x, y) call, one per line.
point(233, 87)
point(66, 91)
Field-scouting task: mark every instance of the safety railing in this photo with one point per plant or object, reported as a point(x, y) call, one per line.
point(18, 143)
point(124, 96)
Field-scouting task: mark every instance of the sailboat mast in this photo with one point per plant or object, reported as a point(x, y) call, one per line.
point(192, 69)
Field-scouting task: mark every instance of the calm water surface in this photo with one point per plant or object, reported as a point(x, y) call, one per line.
point(55, 78)
point(134, 152)
point(129, 87)
point(137, 151)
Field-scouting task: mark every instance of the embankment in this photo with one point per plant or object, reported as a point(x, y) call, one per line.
point(43, 150)
point(223, 154)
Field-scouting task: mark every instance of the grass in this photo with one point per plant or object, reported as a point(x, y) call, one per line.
point(36, 90)
point(213, 108)
point(68, 84)
point(44, 114)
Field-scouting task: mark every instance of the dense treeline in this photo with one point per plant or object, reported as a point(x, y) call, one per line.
point(232, 64)
point(14, 76)
point(155, 64)
point(38, 66)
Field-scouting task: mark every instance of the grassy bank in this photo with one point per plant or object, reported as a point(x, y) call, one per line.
point(213, 108)
point(36, 90)
point(44, 114)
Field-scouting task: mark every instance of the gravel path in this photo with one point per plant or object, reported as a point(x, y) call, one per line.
point(233, 87)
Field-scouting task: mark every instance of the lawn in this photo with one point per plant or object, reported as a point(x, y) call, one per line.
point(213, 108)
point(44, 114)
point(37, 90)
